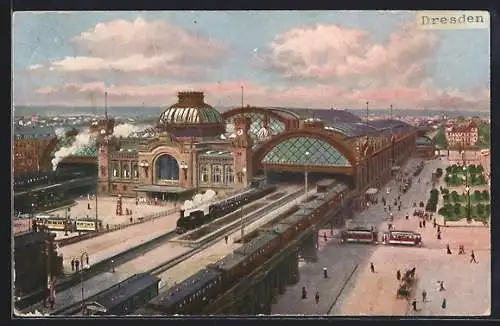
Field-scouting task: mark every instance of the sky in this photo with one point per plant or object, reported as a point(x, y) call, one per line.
point(315, 59)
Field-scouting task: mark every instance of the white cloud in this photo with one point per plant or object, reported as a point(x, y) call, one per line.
point(35, 67)
point(331, 52)
point(229, 93)
point(140, 47)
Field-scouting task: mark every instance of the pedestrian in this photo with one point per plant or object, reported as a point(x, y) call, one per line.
point(472, 257)
point(372, 267)
point(414, 304)
point(325, 272)
point(398, 275)
point(443, 304)
point(434, 223)
point(424, 296)
point(420, 224)
point(88, 206)
point(439, 235)
point(226, 238)
point(317, 297)
point(325, 237)
point(87, 259)
point(448, 250)
point(73, 265)
point(423, 223)
point(77, 265)
point(304, 293)
point(441, 286)
point(439, 229)
point(406, 216)
point(107, 227)
point(131, 219)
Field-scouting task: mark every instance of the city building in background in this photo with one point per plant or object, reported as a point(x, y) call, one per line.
point(465, 134)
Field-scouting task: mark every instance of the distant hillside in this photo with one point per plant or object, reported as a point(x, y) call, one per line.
point(144, 112)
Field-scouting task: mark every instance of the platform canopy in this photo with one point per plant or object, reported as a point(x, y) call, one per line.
point(305, 151)
point(161, 189)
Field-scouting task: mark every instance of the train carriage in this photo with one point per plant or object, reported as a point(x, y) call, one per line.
point(188, 219)
point(127, 296)
point(187, 297)
point(232, 266)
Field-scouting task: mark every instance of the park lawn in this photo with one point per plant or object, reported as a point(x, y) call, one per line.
point(462, 214)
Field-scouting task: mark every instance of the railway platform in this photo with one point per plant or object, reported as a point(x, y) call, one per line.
point(112, 243)
point(220, 249)
point(142, 263)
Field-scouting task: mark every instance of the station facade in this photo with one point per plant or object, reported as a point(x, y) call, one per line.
point(194, 147)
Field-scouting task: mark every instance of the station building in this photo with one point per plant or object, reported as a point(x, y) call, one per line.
point(195, 147)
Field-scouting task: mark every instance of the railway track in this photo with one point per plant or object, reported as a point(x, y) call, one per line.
point(97, 268)
point(76, 307)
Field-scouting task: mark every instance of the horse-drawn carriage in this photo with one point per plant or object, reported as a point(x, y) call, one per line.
point(407, 284)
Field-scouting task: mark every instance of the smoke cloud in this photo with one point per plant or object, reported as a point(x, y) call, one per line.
point(126, 130)
point(82, 140)
point(60, 133)
point(199, 200)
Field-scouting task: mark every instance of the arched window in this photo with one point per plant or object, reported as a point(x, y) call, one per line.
point(115, 169)
point(167, 168)
point(216, 174)
point(125, 170)
point(204, 174)
point(135, 171)
point(228, 174)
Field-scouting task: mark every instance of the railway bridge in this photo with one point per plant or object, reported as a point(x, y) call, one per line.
point(255, 293)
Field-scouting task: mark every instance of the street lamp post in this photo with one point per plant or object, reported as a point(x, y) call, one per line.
point(184, 168)
point(305, 177)
point(244, 170)
point(85, 266)
point(467, 190)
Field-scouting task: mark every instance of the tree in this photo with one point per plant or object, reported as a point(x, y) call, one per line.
point(486, 195)
point(480, 209)
point(440, 139)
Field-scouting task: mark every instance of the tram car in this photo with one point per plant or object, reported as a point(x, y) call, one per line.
point(86, 225)
point(196, 292)
point(408, 238)
point(359, 234)
point(51, 222)
point(196, 218)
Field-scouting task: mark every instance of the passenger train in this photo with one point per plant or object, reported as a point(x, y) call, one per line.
point(201, 289)
point(197, 218)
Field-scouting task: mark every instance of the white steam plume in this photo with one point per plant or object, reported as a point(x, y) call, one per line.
point(126, 130)
point(199, 199)
point(60, 133)
point(83, 139)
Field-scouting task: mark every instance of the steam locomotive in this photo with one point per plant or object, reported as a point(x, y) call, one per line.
point(200, 290)
point(211, 212)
